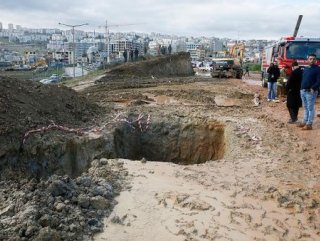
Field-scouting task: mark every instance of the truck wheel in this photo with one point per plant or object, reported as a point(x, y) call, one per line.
point(239, 75)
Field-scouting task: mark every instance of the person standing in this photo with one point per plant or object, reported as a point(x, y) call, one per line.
point(131, 55)
point(309, 91)
point(246, 71)
point(293, 86)
point(169, 49)
point(136, 54)
point(273, 75)
point(125, 55)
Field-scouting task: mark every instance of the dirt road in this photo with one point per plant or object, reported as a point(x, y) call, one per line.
point(266, 186)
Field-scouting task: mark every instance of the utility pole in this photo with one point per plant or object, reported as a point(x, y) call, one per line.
point(73, 43)
point(107, 42)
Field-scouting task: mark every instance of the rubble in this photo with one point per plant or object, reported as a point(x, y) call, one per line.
point(60, 207)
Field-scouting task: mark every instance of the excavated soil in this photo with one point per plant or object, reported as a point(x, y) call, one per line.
point(264, 185)
point(168, 158)
point(29, 104)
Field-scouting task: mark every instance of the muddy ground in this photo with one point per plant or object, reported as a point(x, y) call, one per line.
point(193, 158)
point(265, 185)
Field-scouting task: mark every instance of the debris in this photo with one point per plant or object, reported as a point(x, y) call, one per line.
point(256, 99)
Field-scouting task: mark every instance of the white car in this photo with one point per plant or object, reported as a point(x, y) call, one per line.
point(52, 79)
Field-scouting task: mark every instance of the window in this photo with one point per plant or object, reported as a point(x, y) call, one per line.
point(301, 50)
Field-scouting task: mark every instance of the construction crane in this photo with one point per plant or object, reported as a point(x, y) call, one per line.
point(106, 27)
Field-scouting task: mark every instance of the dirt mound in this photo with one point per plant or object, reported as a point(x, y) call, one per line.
point(26, 105)
point(164, 66)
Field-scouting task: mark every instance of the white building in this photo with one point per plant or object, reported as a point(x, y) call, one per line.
point(57, 42)
point(10, 27)
point(154, 48)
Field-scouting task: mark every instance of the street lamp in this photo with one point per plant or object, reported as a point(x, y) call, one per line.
point(73, 44)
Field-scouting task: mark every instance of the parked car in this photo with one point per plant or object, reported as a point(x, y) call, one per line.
point(51, 80)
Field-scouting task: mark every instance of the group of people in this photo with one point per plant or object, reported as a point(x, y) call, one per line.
point(131, 53)
point(302, 90)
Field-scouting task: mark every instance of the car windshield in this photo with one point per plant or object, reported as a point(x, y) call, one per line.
point(301, 50)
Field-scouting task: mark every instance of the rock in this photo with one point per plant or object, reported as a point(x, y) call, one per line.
point(83, 201)
point(99, 163)
point(95, 229)
point(73, 227)
point(31, 230)
point(282, 199)
point(312, 203)
point(30, 211)
point(7, 211)
point(105, 190)
point(99, 190)
point(59, 188)
point(93, 222)
point(44, 221)
point(99, 202)
point(104, 161)
point(84, 181)
point(48, 234)
point(95, 163)
point(59, 206)
point(22, 231)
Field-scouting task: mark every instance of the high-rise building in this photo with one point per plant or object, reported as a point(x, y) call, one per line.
point(0, 26)
point(10, 27)
point(18, 27)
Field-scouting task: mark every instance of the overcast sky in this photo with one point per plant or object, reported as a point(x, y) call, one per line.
point(237, 19)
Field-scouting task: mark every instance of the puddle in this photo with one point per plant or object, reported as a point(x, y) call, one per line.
point(162, 99)
point(222, 100)
point(251, 81)
point(203, 74)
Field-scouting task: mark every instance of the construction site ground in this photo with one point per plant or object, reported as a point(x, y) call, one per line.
point(192, 158)
point(266, 187)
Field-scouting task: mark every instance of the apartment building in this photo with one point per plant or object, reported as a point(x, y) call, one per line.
point(65, 57)
point(10, 27)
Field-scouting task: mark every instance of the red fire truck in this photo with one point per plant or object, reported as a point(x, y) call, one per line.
point(287, 50)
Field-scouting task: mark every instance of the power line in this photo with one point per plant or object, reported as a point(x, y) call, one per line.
point(73, 43)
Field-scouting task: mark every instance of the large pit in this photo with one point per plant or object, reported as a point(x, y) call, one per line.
point(190, 143)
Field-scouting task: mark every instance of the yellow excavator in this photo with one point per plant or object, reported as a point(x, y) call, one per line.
point(231, 64)
point(237, 51)
point(40, 62)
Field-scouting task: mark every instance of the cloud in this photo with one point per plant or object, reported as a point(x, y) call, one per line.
point(233, 18)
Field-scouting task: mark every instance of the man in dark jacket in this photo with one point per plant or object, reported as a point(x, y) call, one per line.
point(309, 91)
point(125, 55)
point(273, 75)
point(293, 92)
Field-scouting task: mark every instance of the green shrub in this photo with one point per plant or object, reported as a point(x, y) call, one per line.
point(254, 67)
